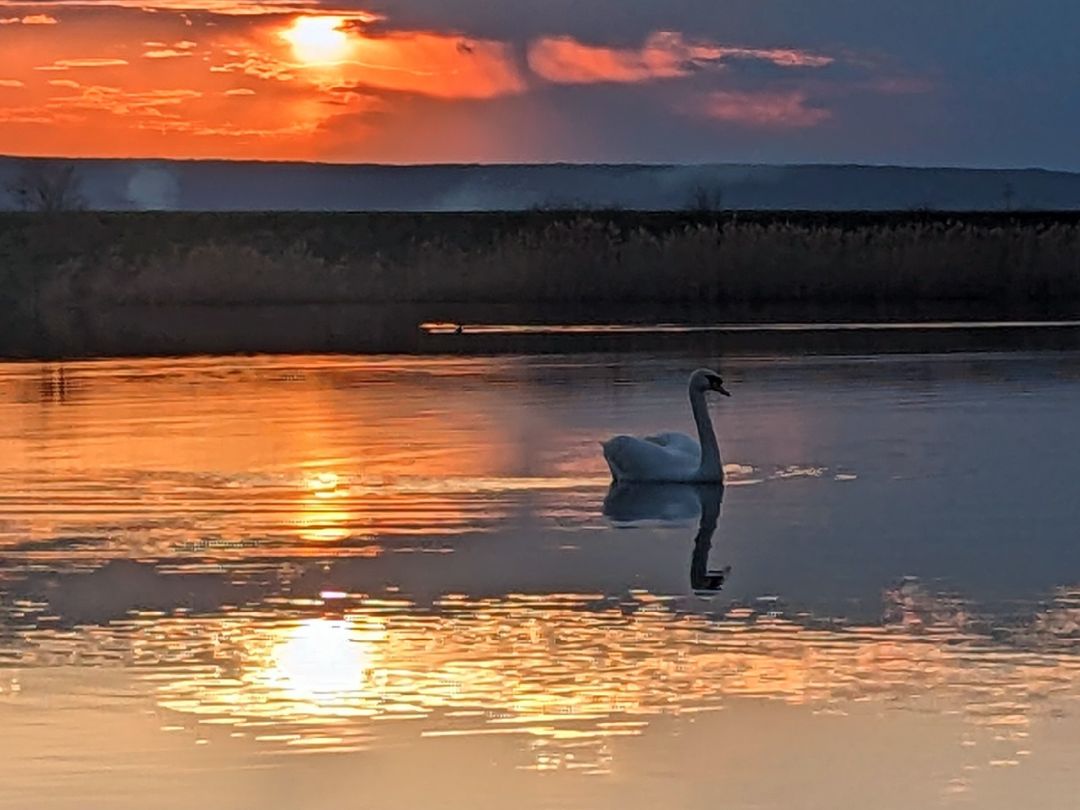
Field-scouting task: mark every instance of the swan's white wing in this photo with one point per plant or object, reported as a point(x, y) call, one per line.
point(678, 442)
point(634, 459)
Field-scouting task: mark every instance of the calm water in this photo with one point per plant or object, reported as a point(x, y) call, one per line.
point(290, 582)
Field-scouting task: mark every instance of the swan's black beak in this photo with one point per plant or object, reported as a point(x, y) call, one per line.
point(717, 384)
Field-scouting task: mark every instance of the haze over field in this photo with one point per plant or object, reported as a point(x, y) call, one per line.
point(989, 83)
point(121, 185)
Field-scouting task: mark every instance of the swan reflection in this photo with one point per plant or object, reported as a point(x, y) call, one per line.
point(631, 504)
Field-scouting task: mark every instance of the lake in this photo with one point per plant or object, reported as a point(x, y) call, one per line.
point(292, 582)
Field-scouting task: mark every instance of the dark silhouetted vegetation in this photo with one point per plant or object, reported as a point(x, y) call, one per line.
point(90, 259)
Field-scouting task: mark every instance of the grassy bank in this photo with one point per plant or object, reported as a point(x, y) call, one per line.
point(603, 258)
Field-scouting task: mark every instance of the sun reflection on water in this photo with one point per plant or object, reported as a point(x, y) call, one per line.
point(319, 661)
point(322, 518)
point(571, 672)
point(567, 678)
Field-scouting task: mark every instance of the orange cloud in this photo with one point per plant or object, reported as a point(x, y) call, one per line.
point(30, 19)
point(29, 115)
point(255, 64)
point(166, 53)
point(665, 55)
point(787, 109)
point(564, 60)
point(152, 104)
point(433, 65)
point(232, 8)
point(12, 83)
point(93, 62)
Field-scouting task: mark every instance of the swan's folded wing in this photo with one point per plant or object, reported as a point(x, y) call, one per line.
point(679, 442)
point(633, 459)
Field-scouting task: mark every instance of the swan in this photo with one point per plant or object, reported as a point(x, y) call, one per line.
point(673, 457)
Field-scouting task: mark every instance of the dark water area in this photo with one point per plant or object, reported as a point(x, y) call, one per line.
point(292, 580)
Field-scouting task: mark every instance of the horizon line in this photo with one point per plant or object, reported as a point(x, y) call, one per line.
point(540, 164)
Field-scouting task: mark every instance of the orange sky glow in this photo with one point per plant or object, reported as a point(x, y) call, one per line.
point(301, 80)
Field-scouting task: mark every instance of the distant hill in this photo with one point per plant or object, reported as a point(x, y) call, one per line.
point(234, 185)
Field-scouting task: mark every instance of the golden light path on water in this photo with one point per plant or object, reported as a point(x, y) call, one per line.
point(569, 672)
point(153, 455)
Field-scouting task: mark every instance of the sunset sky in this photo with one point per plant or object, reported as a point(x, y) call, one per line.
point(965, 82)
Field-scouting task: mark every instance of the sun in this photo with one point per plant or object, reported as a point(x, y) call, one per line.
point(318, 40)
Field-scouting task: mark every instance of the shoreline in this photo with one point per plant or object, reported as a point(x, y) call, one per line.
point(139, 331)
point(119, 284)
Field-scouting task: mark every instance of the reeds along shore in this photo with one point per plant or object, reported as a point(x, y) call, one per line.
point(91, 260)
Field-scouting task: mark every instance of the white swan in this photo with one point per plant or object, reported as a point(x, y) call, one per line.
point(673, 457)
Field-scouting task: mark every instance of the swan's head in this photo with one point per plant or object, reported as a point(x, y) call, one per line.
point(705, 380)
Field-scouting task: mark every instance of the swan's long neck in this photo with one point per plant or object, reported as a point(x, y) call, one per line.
point(710, 467)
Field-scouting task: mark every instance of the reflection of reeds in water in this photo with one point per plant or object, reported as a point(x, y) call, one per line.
point(571, 671)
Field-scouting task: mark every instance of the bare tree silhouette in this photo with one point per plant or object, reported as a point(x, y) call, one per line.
point(46, 187)
point(705, 198)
